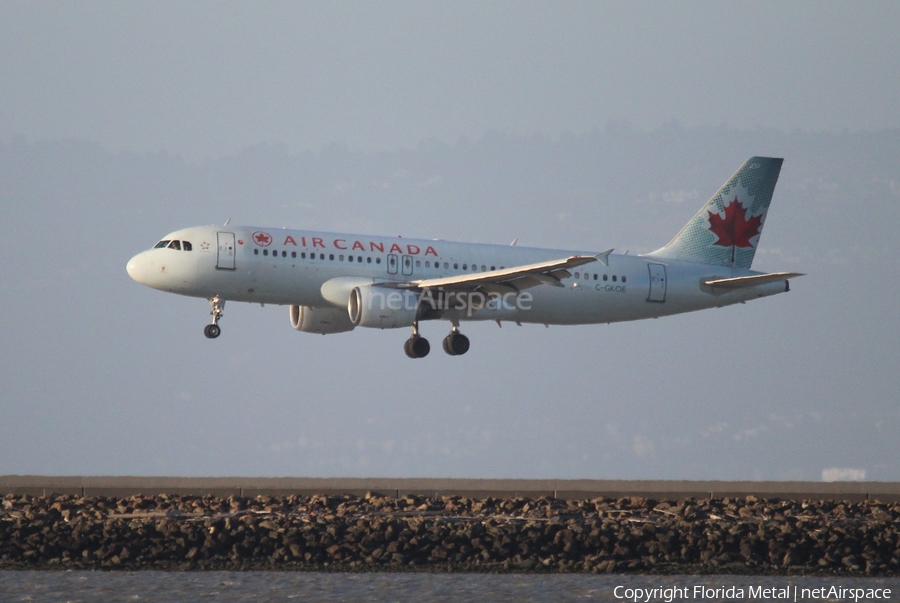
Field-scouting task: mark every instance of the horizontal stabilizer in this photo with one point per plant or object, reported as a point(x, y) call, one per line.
point(740, 282)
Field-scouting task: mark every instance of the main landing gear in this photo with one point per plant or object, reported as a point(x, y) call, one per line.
point(416, 346)
point(455, 344)
point(213, 330)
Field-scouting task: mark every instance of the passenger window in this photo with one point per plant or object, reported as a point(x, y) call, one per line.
point(418, 263)
point(483, 269)
point(577, 275)
point(465, 266)
point(284, 254)
point(265, 252)
point(492, 268)
point(368, 260)
point(256, 252)
point(331, 256)
point(605, 277)
point(293, 254)
point(623, 279)
point(446, 265)
point(186, 246)
point(614, 278)
point(349, 258)
point(595, 277)
point(456, 266)
point(341, 257)
point(377, 260)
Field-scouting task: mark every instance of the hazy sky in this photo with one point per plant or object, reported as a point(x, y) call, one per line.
point(204, 79)
point(585, 125)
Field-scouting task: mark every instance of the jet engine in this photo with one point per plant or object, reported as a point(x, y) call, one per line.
point(320, 320)
point(382, 307)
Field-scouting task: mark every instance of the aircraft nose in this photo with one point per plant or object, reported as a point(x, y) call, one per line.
point(137, 268)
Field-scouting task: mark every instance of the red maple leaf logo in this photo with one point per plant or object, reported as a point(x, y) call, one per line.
point(734, 230)
point(262, 239)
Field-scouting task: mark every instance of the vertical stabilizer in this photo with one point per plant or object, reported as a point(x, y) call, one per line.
point(726, 231)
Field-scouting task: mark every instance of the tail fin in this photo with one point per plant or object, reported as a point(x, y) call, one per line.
point(726, 231)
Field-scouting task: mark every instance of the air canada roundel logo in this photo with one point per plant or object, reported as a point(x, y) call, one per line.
point(734, 229)
point(262, 239)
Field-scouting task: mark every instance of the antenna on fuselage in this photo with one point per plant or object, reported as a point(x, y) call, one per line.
point(227, 221)
point(516, 240)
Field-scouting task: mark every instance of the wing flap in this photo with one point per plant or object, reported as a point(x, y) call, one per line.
point(740, 282)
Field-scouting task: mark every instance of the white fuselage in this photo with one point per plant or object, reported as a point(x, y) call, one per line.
point(293, 267)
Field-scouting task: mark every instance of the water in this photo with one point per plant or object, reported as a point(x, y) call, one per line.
point(177, 587)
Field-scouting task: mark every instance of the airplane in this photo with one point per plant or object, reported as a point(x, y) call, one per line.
point(335, 282)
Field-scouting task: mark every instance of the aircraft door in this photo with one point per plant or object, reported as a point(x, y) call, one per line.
point(657, 283)
point(392, 263)
point(225, 257)
point(407, 265)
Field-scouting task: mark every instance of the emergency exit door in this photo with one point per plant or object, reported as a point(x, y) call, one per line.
point(407, 265)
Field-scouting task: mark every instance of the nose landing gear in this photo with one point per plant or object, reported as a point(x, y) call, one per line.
point(213, 330)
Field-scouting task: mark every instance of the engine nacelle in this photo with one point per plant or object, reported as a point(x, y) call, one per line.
point(320, 320)
point(382, 308)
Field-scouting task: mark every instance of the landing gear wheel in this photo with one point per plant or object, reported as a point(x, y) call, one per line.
point(218, 305)
point(416, 347)
point(456, 344)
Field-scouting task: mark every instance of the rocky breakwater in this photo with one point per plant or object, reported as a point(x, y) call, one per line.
point(373, 533)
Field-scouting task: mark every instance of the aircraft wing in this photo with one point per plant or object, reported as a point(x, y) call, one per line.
point(751, 281)
point(508, 280)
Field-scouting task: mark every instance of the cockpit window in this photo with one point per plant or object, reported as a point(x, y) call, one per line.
point(176, 245)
